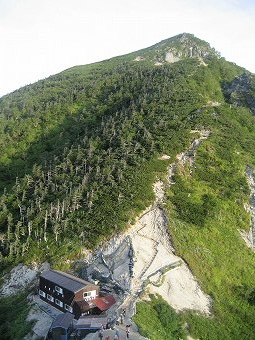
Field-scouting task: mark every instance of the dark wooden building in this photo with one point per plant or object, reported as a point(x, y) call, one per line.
point(65, 292)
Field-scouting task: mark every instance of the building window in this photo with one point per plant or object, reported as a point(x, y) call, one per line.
point(89, 295)
point(58, 289)
point(68, 308)
point(50, 298)
point(59, 303)
point(41, 293)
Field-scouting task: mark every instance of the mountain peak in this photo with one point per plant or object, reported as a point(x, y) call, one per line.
point(179, 47)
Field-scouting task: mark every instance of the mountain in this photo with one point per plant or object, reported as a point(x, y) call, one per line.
point(81, 150)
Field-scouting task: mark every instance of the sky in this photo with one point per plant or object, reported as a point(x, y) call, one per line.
point(39, 38)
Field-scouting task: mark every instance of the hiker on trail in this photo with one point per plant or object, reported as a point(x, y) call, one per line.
point(128, 330)
point(117, 335)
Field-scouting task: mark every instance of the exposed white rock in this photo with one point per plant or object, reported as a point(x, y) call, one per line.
point(139, 58)
point(202, 63)
point(213, 103)
point(20, 277)
point(164, 157)
point(249, 237)
point(171, 57)
point(181, 291)
point(159, 191)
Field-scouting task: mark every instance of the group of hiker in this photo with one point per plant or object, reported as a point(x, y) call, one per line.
point(121, 318)
point(120, 321)
point(117, 333)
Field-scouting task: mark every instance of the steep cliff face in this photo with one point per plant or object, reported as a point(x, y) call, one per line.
point(241, 91)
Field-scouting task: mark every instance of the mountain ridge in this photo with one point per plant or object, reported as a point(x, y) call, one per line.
point(158, 50)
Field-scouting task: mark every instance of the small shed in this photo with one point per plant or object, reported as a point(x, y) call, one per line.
point(61, 327)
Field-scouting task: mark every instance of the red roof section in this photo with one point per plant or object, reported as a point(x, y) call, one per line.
point(104, 302)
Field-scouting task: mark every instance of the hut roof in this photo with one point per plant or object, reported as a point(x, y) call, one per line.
point(65, 280)
point(62, 321)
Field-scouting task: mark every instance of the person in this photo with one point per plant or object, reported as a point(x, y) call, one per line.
point(121, 319)
point(100, 335)
point(117, 335)
point(124, 312)
point(127, 332)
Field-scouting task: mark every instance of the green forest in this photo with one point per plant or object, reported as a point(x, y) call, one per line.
point(80, 152)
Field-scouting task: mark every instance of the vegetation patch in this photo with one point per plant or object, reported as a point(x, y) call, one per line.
point(13, 313)
point(157, 320)
point(205, 232)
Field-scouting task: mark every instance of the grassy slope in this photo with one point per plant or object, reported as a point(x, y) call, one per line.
point(216, 254)
point(164, 322)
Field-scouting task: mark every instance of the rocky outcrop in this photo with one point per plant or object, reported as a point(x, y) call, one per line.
point(177, 48)
point(241, 91)
point(249, 237)
point(188, 47)
point(20, 278)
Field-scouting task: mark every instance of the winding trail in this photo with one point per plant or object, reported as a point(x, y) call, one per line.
point(143, 260)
